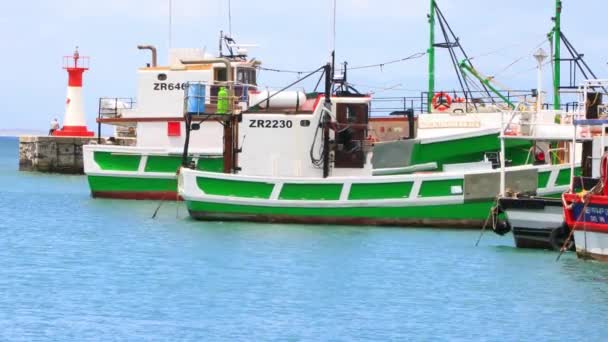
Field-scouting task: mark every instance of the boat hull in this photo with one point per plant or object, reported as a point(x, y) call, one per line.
point(588, 216)
point(423, 200)
point(592, 244)
point(535, 222)
point(133, 187)
point(120, 172)
point(470, 215)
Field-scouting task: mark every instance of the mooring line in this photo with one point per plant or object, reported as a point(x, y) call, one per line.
point(483, 230)
point(159, 205)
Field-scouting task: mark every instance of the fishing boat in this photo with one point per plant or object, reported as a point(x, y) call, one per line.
point(147, 170)
point(537, 221)
point(585, 204)
point(317, 166)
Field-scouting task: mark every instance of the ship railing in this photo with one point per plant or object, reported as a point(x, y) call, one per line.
point(552, 127)
point(472, 102)
point(204, 97)
point(113, 107)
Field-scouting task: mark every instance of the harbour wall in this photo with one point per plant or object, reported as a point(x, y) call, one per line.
point(57, 154)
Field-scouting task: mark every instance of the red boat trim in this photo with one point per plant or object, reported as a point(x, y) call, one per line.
point(592, 227)
point(138, 195)
point(434, 223)
point(573, 222)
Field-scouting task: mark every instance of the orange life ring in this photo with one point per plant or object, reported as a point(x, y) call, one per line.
point(442, 101)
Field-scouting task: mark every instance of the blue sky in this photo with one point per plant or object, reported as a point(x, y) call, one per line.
point(290, 34)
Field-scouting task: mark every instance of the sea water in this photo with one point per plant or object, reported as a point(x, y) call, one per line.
point(73, 268)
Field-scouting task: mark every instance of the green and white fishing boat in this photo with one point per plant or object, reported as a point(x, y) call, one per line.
point(148, 169)
point(318, 166)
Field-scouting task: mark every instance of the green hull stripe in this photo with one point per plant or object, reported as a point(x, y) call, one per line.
point(439, 187)
point(380, 191)
point(223, 187)
point(563, 178)
point(328, 192)
point(163, 164)
point(466, 211)
point(210, 164)
point(116, 162)
point(130, 184)
point(543, 179)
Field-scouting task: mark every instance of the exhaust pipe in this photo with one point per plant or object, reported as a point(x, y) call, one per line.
point(151, 48)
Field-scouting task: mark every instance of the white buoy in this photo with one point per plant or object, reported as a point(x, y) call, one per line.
point(74, 123)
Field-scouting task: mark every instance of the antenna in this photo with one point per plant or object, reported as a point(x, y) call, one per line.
point(333, 40)
point(230, 18)
point(333, 24)
point(170, 23)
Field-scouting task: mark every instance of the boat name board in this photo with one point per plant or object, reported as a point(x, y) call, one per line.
point(270, 124)
point(593, 214)
point(169, 86)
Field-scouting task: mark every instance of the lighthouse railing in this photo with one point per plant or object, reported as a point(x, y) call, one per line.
point(81, 62)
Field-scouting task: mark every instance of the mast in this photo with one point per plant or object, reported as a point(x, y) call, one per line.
point(557, 39)
point(431, 53)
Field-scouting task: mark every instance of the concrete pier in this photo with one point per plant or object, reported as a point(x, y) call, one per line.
point(56, 154)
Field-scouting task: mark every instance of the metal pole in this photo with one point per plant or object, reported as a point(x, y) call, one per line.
point(502, 156)
point(326, 121)
point(431, 53)
point(99, 123)
point(557, 39)
point(539, 89)
point(170, 22)
point(573, 156)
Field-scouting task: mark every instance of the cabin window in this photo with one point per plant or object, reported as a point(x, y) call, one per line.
point(162, 77)
point(246, 76)
point(220, 75)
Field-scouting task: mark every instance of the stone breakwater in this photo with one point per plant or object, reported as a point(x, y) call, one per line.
point(56, 154)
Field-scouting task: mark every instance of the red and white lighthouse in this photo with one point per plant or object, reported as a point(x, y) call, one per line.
point(74, 123)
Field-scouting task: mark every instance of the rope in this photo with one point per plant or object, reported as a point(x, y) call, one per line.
point(519, 59)
point(483, 230)
point(377, 65)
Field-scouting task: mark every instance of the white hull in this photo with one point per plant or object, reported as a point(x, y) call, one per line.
point(535, 222)
point(591, 244)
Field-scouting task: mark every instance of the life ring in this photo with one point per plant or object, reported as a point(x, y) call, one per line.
point(441, 101)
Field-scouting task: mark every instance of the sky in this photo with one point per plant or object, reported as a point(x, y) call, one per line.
point(289, 35)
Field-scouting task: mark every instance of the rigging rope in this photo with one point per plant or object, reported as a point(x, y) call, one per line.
point(519, 59)
point(378, 65)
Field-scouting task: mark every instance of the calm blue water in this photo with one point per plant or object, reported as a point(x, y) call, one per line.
point(76, 269)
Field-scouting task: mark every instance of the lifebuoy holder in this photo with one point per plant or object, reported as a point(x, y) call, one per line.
point(442, 101)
